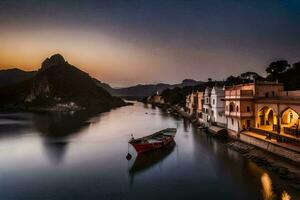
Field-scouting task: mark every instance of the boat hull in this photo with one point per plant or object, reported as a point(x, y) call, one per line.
point(154, 141)
point(140, 148)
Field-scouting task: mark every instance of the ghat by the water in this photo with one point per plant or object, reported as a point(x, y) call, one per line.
point(55, 156)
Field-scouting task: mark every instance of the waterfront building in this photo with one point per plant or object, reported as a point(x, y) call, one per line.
point(189, 102)
point(217, 114)
point(259, 105)
point(206, 111)
point(278, 112)
point(158, 99)
point(194, 102)
point(240, 103)
point(262, 105)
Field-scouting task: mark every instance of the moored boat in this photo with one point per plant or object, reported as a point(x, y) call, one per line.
point(154, 141)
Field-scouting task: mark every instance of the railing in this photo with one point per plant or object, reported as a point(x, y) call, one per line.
point(246, 114)
point(292, 131)
point(239, 114)
point(269, 135)
point(238, 93)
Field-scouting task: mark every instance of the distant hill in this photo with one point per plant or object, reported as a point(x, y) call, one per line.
point(13, 76)
point(140, 90)
point(146, 89)
point(104, 86)
point(58, 86)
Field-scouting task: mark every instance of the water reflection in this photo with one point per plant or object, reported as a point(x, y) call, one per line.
point(61, 125)
point(56, 128)
point(186, 125)
point(65, 153)
point(55, 150)
point(267, 187)
point(148, 160)
point(285, 196)
point(268, 191)
point(14, 124)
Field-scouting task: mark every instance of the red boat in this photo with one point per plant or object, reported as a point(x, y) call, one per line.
point(154, 141)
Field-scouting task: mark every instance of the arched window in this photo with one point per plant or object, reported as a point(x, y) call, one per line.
point(237, 108)
point(289, 116)
point(231, 107)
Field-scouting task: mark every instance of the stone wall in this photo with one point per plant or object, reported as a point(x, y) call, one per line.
point(273, 148)
point(232, 134)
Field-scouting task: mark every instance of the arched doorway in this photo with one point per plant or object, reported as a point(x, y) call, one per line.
point(289, 121)
point(267, 119)
point(289, 117)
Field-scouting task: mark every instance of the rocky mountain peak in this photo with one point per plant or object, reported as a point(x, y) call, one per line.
point(54, 60)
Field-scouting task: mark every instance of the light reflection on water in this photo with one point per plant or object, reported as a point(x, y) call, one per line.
point(285, 196)
point(82, 156)
point(267, 187)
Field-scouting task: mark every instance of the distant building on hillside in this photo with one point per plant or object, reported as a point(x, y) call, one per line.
point(156, 99)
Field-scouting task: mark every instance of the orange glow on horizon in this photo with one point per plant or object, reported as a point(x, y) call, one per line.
point(100, 55)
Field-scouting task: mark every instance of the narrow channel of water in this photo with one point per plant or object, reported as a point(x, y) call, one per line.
point(56, 156)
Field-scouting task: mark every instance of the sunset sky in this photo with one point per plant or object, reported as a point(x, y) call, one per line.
point(149, 41)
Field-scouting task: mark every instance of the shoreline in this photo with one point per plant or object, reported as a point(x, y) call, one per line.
point(284, 168)
point(61, 109)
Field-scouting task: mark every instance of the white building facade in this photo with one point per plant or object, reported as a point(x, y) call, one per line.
point(217, 113)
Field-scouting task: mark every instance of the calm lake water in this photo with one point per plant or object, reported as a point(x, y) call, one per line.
point(55, 156)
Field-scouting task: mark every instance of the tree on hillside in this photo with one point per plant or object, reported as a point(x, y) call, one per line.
point(251, 76)
point(235, 80)
point(290, 78)
point(296, 66)
point(276, 68)
point(286, 74)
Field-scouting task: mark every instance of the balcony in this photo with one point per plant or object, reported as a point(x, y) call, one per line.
point(239, 114)
point(239, 94)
